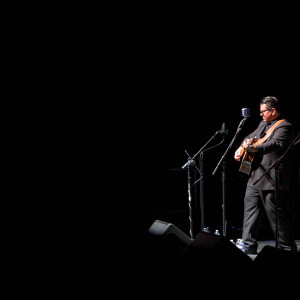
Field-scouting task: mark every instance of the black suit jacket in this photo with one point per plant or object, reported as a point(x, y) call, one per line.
point(268, 152)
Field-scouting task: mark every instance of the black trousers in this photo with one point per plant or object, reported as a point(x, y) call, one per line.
point(254, 203)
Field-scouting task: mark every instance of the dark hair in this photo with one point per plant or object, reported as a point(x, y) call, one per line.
point(271, 102)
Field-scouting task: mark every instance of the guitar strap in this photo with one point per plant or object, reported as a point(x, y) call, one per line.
point(260, 141)
point(268, 132)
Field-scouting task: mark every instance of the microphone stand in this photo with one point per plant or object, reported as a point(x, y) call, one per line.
point(275, 165)
point(201, 187)
point(191, 162)
point(224, 221)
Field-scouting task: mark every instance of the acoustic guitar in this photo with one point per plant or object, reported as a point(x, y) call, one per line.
point(248, 156)
point(247, 159)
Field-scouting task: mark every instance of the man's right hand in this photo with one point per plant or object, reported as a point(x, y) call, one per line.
point(238, 153)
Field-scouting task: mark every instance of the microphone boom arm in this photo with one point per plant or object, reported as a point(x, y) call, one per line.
point(230, 145)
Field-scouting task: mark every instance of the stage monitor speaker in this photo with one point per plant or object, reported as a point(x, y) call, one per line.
point(162, 228)
point(166, 257)
point(217, 253)
point(166, 238)
point(271, 259)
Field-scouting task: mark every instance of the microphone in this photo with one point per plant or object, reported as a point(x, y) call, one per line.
point(246, 112)
point(223, 131)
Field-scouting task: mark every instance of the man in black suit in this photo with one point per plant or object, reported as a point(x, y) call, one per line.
point(259, 150)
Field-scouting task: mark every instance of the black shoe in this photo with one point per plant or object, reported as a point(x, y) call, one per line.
point(287, 248)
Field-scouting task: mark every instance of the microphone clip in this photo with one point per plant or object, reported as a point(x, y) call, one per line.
point(223, 131)
point(190, 162)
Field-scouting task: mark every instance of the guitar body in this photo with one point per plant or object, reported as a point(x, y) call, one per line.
point(246, 163)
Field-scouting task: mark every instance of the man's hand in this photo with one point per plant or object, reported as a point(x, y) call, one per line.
point(251, 148)
point(238, 153)
point(248, 142)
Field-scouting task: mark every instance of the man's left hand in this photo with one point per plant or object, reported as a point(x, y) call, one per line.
point(252, 148)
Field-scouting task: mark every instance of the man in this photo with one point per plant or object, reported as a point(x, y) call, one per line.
point(259, 150)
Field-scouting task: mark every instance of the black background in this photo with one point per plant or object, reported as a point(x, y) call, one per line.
point(190, 127)
point(183, 78)
point(186, 94)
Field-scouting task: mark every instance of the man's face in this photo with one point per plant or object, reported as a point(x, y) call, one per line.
point(266, 114)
